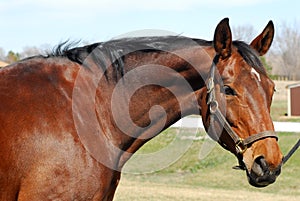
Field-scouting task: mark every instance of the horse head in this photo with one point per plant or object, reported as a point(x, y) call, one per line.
point(236, 109)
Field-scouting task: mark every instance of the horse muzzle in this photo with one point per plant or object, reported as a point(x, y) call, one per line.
point(261, 174)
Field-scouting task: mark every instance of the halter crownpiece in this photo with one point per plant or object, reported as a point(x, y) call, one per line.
point(240, 144)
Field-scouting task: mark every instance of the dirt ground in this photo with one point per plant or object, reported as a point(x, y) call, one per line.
point(142, 191)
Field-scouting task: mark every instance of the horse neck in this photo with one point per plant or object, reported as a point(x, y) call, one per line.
point(157, 90)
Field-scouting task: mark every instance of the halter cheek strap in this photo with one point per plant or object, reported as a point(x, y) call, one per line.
point(240, 144)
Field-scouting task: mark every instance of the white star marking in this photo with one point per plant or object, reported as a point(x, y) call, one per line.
point(255, 73)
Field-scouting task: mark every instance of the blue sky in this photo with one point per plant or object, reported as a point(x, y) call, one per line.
point(26, 23)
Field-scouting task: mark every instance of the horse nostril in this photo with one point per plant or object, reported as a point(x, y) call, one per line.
point(261, 175)
point(260, 166)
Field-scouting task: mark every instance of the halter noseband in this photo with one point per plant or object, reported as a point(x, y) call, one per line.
point(240, 144)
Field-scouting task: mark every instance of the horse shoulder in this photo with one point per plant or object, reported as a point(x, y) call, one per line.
point(39, 145)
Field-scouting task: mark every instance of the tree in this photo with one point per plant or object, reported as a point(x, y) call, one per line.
point(285, 54)
point(243, 32)
point(268, 66)
point(2, 54)
point(12, 57)
point(30, 51)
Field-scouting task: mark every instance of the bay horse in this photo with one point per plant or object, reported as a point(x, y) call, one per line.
point(71, 119)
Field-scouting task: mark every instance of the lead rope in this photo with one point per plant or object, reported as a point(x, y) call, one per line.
point(291, 152)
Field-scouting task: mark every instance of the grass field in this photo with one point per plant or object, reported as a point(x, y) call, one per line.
point(211, 178)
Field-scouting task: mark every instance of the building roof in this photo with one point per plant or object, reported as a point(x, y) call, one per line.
point(293, 85)
point(2, 64)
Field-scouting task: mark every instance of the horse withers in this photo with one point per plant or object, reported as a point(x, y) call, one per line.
point(70, 120)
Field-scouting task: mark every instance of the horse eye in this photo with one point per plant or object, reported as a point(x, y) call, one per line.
point(229, 91)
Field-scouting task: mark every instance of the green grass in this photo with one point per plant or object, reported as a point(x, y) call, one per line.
point(215, 171)
point(279, 111)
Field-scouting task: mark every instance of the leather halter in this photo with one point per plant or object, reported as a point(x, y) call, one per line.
point(240, 144)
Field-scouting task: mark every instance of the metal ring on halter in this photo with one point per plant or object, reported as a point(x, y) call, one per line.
point(213, 107)
point(240, 146)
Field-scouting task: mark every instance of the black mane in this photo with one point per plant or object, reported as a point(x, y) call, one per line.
point(116, 49)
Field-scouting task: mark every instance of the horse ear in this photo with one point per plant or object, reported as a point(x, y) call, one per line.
point(264, 40)
point(223, 39)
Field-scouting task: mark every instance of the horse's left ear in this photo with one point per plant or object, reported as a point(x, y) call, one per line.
point(264, 40)
point(223, 39)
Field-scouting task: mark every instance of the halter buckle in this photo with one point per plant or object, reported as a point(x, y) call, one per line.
point(210, 85)
point(240, 146)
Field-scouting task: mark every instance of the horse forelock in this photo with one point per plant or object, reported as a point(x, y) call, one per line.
point(250, 56)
